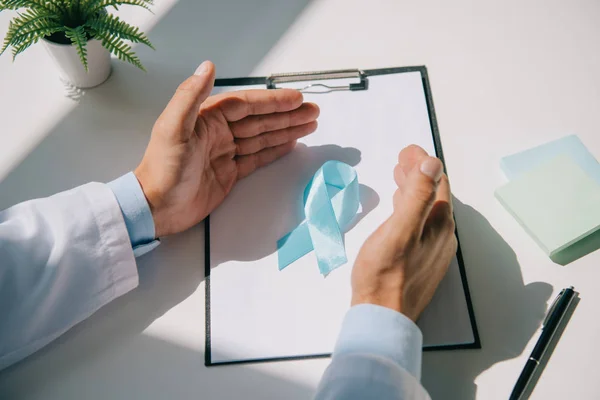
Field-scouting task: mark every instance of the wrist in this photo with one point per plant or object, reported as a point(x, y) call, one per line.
point(384, 296)
point(387, 300)
point(153, 200)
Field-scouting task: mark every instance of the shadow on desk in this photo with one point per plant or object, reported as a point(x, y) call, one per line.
point(508, 312)
point(151, 368)
point(107, 356)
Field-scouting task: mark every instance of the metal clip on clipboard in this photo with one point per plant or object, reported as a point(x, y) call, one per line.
point(321, 88)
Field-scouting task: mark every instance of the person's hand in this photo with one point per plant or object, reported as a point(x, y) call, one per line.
point(402, 263)
point(201, 146)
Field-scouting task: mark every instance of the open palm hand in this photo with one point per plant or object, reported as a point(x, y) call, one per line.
point(201, 146)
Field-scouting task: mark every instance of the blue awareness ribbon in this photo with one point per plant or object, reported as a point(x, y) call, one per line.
point(331, 202)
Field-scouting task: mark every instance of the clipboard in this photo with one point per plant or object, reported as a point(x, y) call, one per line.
point(233, 349)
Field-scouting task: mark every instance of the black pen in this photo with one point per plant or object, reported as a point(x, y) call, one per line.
point(556, 313)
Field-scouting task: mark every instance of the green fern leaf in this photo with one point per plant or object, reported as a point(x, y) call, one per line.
point(26, 24)
point(21, 48)
point(33, 37)
point(36, 5)
point(112, 25)
point(118, 47)
point(95, 6)
point(79, 40)
point(89, 4)
point(62, 8)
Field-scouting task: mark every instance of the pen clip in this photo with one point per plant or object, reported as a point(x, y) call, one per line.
point(552, 307)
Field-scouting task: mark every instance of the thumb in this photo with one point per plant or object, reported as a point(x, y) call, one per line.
point(414, 199)
point(182, 110)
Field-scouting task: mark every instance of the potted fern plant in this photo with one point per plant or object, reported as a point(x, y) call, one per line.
point(78, 34)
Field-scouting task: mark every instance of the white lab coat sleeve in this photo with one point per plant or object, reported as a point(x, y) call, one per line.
point(61, 259)
point(368, 376)
point(377, 356)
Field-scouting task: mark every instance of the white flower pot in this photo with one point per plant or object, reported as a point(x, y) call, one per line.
point(72, 70)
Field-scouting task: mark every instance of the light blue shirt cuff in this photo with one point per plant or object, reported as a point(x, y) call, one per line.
point(372, 329)
point(136, 213)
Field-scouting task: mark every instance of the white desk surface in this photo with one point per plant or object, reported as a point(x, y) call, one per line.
point(505, 77)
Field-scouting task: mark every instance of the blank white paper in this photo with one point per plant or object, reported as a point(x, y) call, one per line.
point(259, 312)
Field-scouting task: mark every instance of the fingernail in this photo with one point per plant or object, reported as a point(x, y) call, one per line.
point(432, 167)
point(202, 69)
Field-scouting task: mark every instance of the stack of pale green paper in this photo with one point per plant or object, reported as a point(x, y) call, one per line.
point(554, 193)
